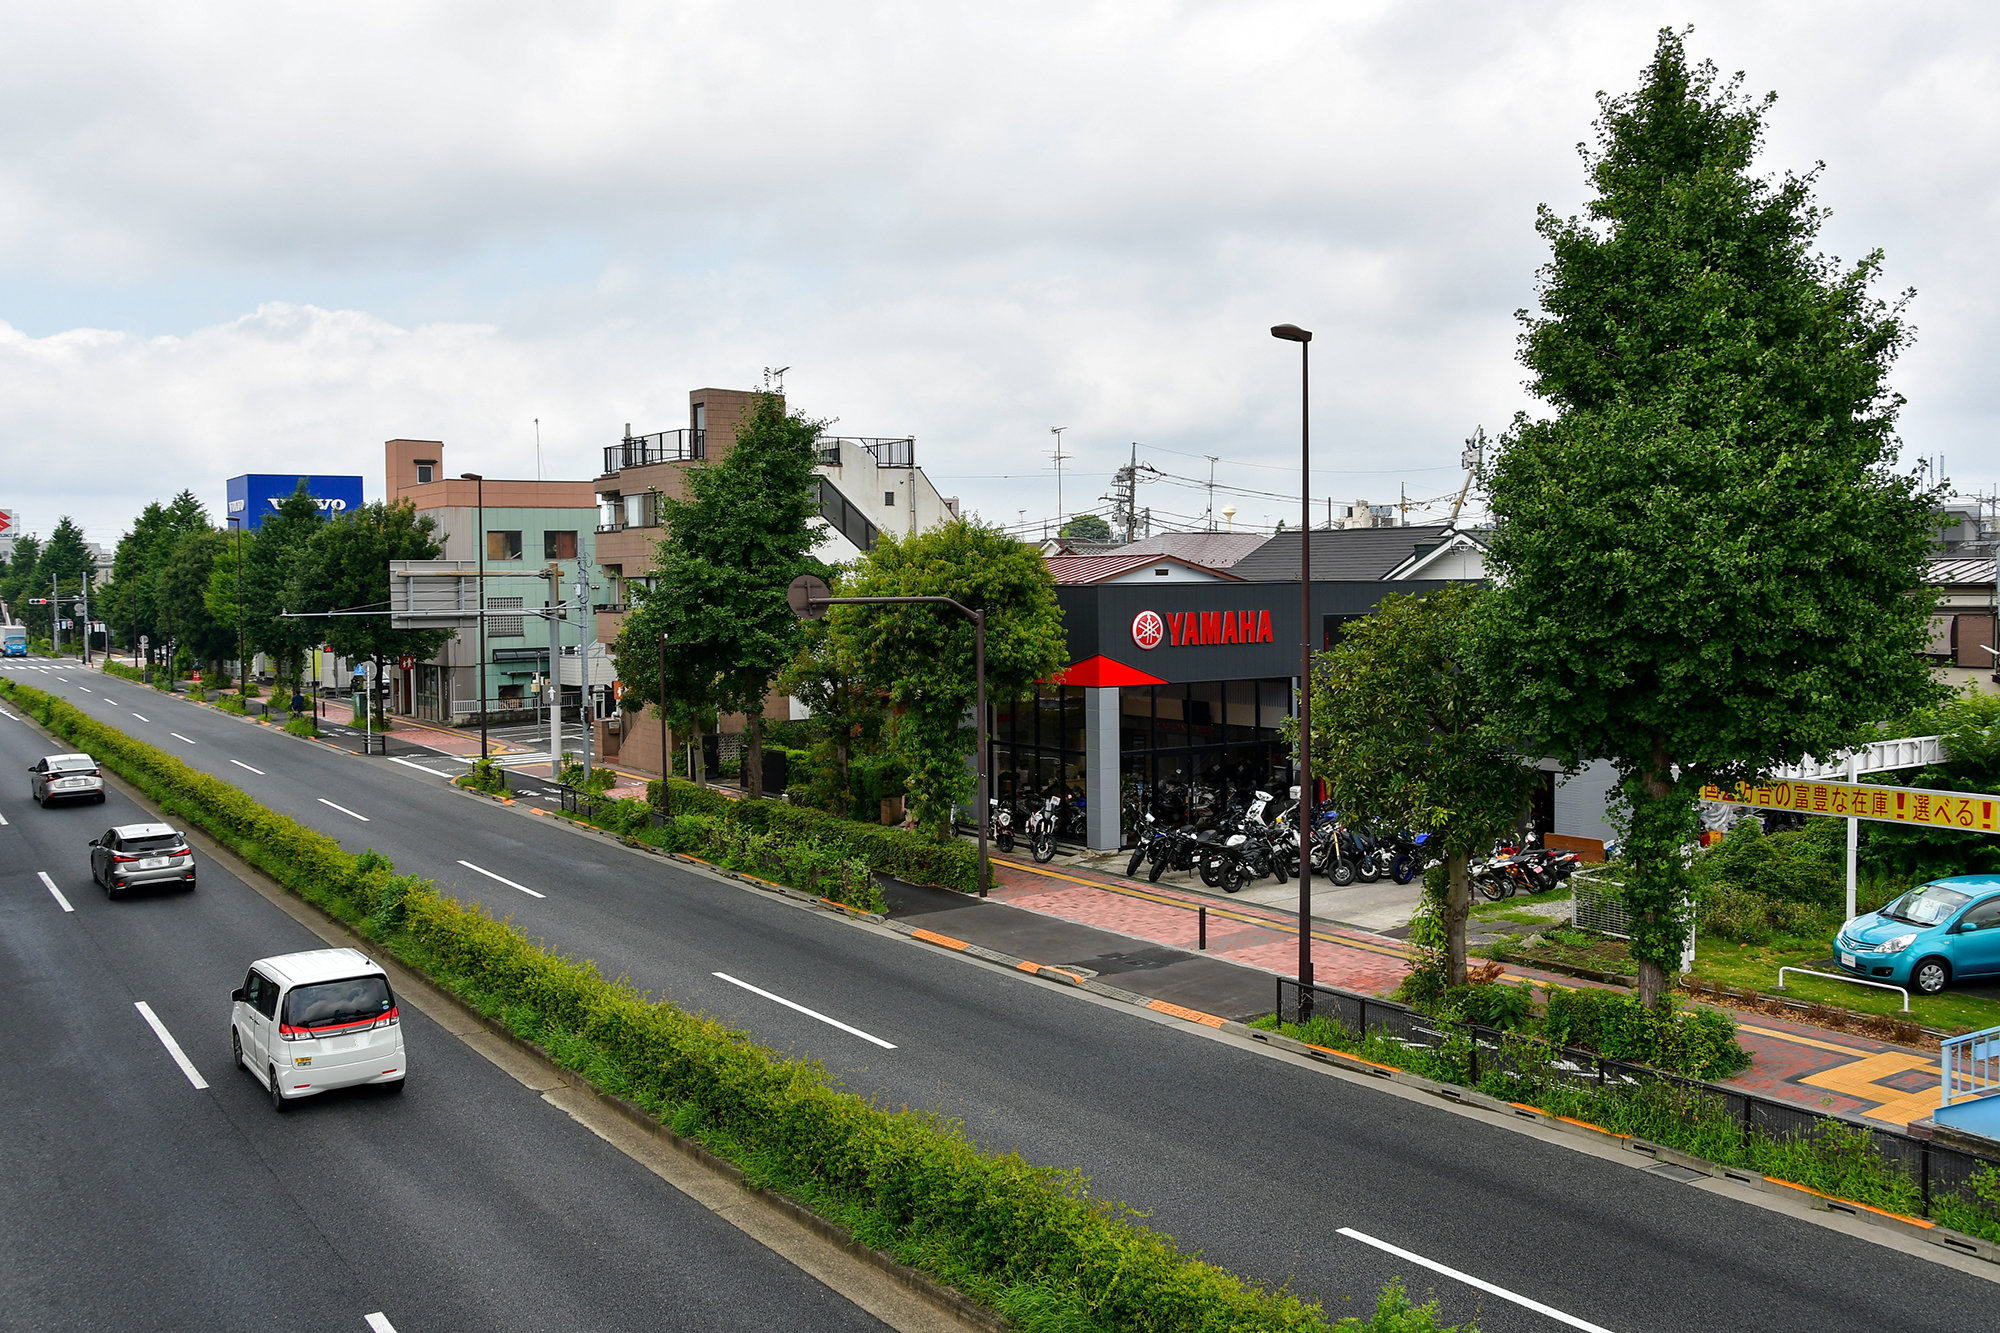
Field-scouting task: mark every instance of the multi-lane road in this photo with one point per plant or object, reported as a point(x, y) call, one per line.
point(145, 1183)
point(1281, 1172)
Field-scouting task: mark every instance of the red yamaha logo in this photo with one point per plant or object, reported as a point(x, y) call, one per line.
point(1148, 629)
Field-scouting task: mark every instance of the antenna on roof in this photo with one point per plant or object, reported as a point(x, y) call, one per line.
point(774, 379)
point(1057, 431)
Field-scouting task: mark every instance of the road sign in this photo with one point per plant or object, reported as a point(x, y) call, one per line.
point(407, 662)
point(1970, 811)
point(807, 596)
point(145, 642)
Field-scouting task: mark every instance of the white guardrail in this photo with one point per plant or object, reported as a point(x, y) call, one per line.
point(1874, 757)
point(1842, 976)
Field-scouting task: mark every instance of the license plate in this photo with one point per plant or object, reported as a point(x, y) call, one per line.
point(153, 863)
point(1847, 960)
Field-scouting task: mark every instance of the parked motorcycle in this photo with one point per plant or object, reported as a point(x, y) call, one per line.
point(1041, 828)
point(1150, 832)
point(1001, 825)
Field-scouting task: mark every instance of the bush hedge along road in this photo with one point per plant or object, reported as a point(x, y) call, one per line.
point(1029, 1240)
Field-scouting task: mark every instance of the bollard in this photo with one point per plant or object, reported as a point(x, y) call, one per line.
point(1201, 927)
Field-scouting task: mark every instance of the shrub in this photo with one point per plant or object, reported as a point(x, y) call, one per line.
point(113, 667)
point(302, 724)
point(1699, 1042)
point(1490, 1004)
point(231, 703)
point(485, 775)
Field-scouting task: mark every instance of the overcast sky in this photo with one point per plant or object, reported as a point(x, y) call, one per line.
point(268, 237)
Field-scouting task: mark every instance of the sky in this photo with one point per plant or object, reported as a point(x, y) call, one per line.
point(266, 238)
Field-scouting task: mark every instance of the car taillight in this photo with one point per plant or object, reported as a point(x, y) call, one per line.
point(387, 1020)
point(121, 857)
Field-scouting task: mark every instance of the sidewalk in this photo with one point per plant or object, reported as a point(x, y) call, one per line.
point(1811, 1067)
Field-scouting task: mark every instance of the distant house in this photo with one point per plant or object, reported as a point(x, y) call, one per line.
point(1961, 639)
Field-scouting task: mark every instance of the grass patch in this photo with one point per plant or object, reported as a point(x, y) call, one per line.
point(1755, 967)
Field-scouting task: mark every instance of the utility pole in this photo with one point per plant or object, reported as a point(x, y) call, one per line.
point(552, 687)
point(583, 659)
point(1057, 431)
point(55, 616)
point(83, 618)
point(1212, 458)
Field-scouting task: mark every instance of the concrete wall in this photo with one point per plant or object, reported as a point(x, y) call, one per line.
point(1582, 800)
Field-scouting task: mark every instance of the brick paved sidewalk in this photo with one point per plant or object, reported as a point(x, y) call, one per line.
point(1834, 1072)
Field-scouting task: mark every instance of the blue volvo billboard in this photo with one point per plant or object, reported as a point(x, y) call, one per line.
point(257, 495)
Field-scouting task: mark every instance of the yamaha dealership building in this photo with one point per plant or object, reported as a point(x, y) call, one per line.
point(1180, 685)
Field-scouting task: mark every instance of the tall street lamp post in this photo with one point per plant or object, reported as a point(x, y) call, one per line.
point(476, 477)
point(242, 667)
point(1293, 333)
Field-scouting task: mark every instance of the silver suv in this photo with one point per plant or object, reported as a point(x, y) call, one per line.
point(133, 855)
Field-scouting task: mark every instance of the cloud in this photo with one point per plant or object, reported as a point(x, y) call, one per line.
point(240, 239)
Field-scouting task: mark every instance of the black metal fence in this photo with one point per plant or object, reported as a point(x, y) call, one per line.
point(1937, 1169)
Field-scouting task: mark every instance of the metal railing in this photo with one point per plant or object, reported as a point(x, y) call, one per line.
point(1842, 976)
point(1597, 906)
point(1936, 1169)
point(886, 453)
point(1874, 757)
point(1969, 1066)
point(665, 446)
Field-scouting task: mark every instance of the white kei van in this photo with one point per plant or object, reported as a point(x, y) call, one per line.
point(306, 1022)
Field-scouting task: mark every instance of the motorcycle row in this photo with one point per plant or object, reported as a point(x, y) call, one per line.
point(1252, 842)
point(1245, 845)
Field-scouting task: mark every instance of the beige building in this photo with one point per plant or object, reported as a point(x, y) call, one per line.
point(1962, 641)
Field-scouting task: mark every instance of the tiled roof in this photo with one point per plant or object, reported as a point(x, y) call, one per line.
point(1098, 568)
point(1337, 553)
point(1210, 550)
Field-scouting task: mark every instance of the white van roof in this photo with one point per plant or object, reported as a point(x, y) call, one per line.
point(298, 969)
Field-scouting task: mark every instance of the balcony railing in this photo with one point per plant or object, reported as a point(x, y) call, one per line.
point(886, 453)
point(666, 446)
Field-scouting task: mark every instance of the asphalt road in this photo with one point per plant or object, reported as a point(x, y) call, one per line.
point(1271, 1170)
point(130, 1199)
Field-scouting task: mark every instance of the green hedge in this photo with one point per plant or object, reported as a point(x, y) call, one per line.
point(113, 667)
point(913, 857)
point(1031, 1240)
point(1698, 1041)
point(804, 863)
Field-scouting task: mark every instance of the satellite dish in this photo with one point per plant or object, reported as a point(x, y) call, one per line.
point(807, 596)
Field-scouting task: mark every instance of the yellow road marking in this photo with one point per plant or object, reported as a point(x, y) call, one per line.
point(1191, 1015)
point(1797, 1040)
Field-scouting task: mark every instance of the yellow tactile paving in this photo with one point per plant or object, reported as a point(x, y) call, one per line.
point(1863, 1079)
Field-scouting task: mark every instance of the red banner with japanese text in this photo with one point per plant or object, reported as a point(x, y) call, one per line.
point(1894, 805)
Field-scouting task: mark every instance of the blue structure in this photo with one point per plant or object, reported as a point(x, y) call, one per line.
point(256, 495)
point(1969, 1069)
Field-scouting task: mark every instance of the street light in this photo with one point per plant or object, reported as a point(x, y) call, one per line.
point(242, 667)
point(475, 477)
point(1293, 333)
point(809, 597)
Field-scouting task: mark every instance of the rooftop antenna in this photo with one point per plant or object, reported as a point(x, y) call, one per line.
point(1212, 458)
point(538, 447)
point(1057, 431)
point(776, 374)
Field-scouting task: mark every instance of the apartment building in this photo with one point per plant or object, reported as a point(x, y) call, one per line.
point(867, 486)
point(529, 526)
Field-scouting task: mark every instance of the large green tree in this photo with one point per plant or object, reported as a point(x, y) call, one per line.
point(1707, 562)
point(920, 656)
point(1402, 736)
point(183, 597)
point(270, 556)
point(344, 567)
point(730, 550)
point(24, 576)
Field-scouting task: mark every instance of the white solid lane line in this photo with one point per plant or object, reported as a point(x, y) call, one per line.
point(1471, 1281)
point(809, 1013)
point(56, 891)
point(240, 764)
point(406, 763)
point(503, 879)
point(379, 1323)
point(177, 736)
point(343, 810)
point(173, 1047)
point(142, 717)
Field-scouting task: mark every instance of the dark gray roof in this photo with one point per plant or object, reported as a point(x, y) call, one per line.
point(1337, 553)
point(1214, 550)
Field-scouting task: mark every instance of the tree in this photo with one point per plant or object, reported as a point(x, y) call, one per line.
point(183, 597)
point(65, 557)
point(845, 706)
point(344, 566)
point(270, 556)
point(24, 575)
point(746, 530)
point(1087, 527)
point(1402, 737)
point(1706, 561)
point(921, 656)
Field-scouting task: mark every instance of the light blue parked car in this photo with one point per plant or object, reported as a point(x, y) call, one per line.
point(1937, 933)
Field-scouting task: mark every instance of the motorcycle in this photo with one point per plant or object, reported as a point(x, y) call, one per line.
point(1150, 832)
point(1406, 855)
point(1243, 850)
point(1175, 849)
point(1041, 828)
point(1001, 825)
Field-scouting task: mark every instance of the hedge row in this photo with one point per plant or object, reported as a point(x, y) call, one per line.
point(803, 863)
point(915, 858)
point(1032, 1241)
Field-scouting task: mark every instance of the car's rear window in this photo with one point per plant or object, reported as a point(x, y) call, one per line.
point(158, 842)
point(332, 1003)
point(72, 763)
